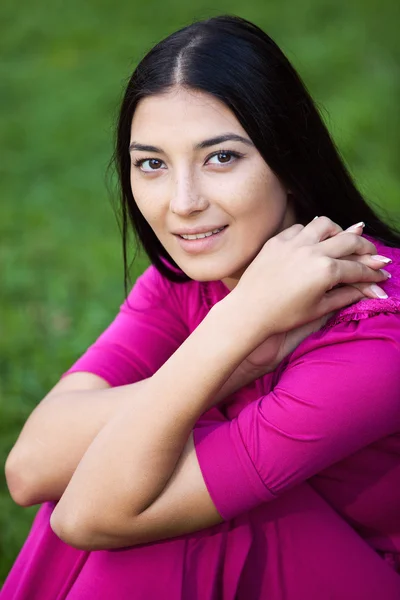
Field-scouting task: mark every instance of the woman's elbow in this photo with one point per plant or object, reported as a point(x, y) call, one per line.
point(86, 526)
point(29, 479)
point(78, 530)
point(70, 530)
point(20, 481)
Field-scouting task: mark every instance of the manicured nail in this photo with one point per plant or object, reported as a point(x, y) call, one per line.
point(356, 226)
point(378, 291)
point(315, 218)
point(386, 273)
point(383, 259)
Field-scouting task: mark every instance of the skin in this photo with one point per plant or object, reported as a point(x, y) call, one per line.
point(182, 186)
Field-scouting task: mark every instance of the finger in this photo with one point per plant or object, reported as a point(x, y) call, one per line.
point(340, 298)
point(346, 244)
point(354, 272)
point(318, 230)
point(366, 259)
point(357, 228)
point(291, 232)
point(368, 291)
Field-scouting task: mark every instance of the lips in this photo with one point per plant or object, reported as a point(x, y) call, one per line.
point(202, 245)
point(202, 235)
point(196, 230)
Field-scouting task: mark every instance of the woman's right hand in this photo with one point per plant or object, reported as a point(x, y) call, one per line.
point(293, 279)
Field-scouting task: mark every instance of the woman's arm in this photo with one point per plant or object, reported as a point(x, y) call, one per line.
point(138, 450)
point(57, 434)
point(338, 394)
point(156, 439)
point(60, 429)
point(63, 425)
point(148, 329)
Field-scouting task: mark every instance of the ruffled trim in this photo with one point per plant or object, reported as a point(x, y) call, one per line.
point(356, 315)
point(369, 307)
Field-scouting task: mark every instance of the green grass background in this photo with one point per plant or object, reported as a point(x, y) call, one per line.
point(63, 68)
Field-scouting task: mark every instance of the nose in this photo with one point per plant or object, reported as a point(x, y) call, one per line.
point(186, 196)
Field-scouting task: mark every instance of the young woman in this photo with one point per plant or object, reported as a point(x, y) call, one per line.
point(234, 433)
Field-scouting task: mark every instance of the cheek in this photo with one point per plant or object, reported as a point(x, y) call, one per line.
point(266, 194)
point(258, 207)
point(251, 196)
point(147, 201)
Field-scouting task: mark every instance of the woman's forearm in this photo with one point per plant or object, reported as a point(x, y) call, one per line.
point(59, 431)
point(132, 458)
point(55, 437)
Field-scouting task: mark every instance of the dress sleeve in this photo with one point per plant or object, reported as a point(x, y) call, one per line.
point(148, 329)
point(338, 393)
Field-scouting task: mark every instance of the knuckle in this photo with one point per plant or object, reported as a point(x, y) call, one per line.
point(368, 274)
point(366, 246)
point(290, 232)
point(330, 268)
point(325, 220)
point(330, 226)
point(356, 243)
point(356, 240)
point(363, 271)
point(370, 247)
point(362, 287)
point(382, 276)
point(359, 286)
point(362, 259)
point(298, 227)
point(306, 253)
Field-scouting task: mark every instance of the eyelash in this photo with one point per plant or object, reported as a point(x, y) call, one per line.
point(139, 162)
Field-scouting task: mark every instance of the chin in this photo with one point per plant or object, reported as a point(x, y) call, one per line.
point(212, 273)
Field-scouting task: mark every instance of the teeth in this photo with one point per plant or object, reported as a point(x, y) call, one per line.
point(197, 236)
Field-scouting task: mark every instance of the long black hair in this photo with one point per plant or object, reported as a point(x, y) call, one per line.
point(235, 61)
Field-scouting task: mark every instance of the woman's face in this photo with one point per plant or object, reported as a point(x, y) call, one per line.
point(195, 168)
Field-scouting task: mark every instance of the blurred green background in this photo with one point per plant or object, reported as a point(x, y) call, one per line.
point(63, 69)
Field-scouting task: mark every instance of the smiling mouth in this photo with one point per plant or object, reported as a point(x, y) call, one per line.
point(199, 236)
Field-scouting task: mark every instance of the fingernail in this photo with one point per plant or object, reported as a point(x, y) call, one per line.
point(386, 273)
point(378, 291)
point(383, 259)
point(356, 226)
point(315, 218)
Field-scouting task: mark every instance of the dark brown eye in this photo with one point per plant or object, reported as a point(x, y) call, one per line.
point(154, 163)
point(149, 164)
point(224, 158)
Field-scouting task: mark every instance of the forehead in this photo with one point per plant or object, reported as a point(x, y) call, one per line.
point(181, 112)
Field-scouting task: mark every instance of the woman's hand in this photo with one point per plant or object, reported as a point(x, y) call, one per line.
point(266, 357)
point(302, 276)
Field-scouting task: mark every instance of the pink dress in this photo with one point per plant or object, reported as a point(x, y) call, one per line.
point(303, 465)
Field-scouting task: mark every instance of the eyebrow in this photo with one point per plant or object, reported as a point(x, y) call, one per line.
point(232, 137)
